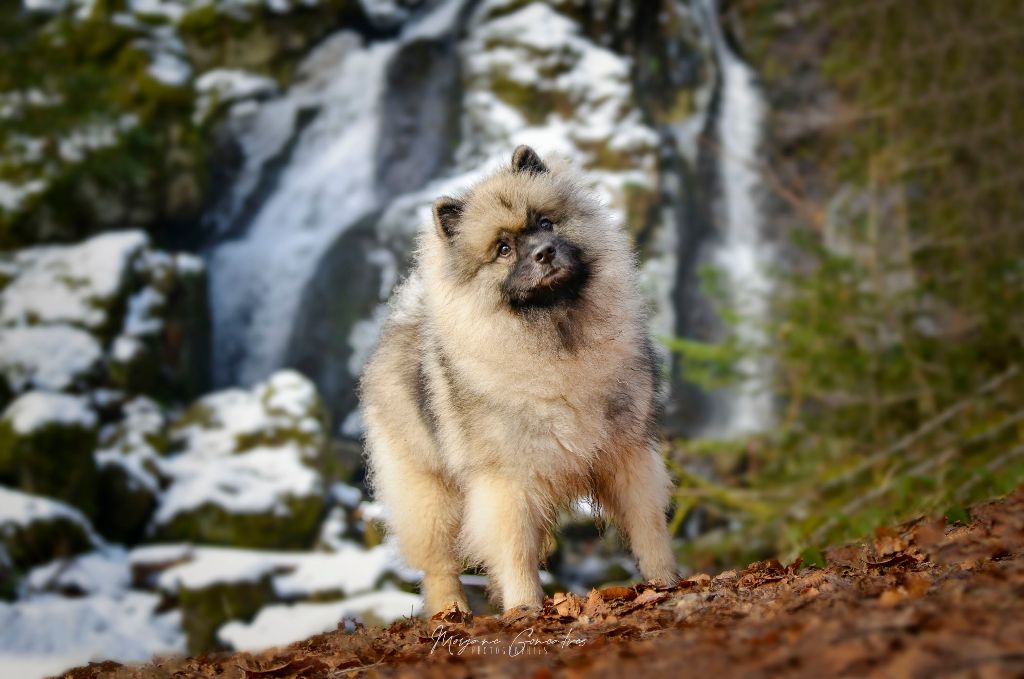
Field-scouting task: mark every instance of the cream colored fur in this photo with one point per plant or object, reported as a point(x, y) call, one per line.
point(518, 421)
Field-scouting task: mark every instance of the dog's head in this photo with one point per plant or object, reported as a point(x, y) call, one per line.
point(527, 238)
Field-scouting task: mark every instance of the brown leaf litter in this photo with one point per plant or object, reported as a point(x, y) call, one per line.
point(920, 600)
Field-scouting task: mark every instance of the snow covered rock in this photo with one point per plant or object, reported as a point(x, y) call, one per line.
point(287, 623)
point(46, 447)
point(162, 347)
point(223, 86)
point(532, 76)
point(212, 585)
point(36, 530)
point(109, 311)
point(203, 578)
point(80, 285)
point(54, 357)
point(128, 482)
point(244, 470)
point(46, 635)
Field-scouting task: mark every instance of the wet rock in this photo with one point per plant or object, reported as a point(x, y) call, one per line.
point(35, 530)
point(46, 446)
point(244, 468)
point(128, 481)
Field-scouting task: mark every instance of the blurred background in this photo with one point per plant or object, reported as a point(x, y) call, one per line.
point(204, 206)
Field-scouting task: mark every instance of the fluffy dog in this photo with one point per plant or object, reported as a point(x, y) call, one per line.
point(514, 375)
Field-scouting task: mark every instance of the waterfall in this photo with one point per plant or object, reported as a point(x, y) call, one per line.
point(256, 279)
point(742, 252)
point(313, 168)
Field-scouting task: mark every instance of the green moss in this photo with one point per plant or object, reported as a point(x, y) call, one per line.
point(373, 533)
point(42, 541)
point(204, 611)
point(295, 528)
point(55, 460)
point(535, 103)
point(139, 375)
point(124, 505)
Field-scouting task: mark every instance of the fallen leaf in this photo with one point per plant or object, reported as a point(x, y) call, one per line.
point(610, 593)
point(595, 606)
point(567, 605)
point(452, 613)
point(888, 541)
point(701, 579)
point(289, 667)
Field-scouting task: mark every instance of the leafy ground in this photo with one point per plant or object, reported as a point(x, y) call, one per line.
point(923, 599)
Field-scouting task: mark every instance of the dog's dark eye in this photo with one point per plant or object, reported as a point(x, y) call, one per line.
point(503, 249)
point(545, 224)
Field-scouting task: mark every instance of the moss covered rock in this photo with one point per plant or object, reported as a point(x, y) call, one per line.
point(244, 469)
point(107, 312)
point(204, 610)
point(84, 285)
point(293, 524)
point(129, 479)
point(46, 447)
point(163, 346)
point(35, 530)
point(558, 86)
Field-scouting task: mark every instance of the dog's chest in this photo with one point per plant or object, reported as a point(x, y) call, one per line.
point(560, 414)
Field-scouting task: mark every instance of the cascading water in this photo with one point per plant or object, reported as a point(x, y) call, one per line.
point(256, 279)
point(742, 252)
point(312, 170)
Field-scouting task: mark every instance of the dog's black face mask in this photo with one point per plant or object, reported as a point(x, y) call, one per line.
point(549, 271)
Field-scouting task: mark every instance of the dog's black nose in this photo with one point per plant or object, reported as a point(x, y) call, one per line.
point(544, 253)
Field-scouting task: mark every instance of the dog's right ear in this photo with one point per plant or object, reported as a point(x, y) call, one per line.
point(447, 215)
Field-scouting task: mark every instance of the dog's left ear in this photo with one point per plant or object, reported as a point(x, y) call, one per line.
point(447, 215)
point(525, 159)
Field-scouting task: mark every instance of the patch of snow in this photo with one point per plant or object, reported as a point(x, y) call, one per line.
point(46, 6)
point(143, 317)
point(171, 10)
point(188, 264)
point(22, 509)
point(101, 572)
point(13, 195)
point(224, 86)
point(351, 570)
point(46, 634)
point(70, 284)
point(127, 444)
point(260, 480)
point(295, 575)
point(170, 69)
point(348, 496)
point(332, 531)
point(76, 144)
point(203, 567)
point(288, 393)
point(283, 624)
point(372, 511)
point(126, 349)
point(52, 357)
point(35, 410)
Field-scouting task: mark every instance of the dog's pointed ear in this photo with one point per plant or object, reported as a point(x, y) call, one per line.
point(525, 159)
point(447, 215)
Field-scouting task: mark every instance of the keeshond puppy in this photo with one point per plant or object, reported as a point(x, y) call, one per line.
point(515, 375)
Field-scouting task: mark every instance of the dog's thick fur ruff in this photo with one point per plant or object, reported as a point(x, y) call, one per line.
point(515, 375)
